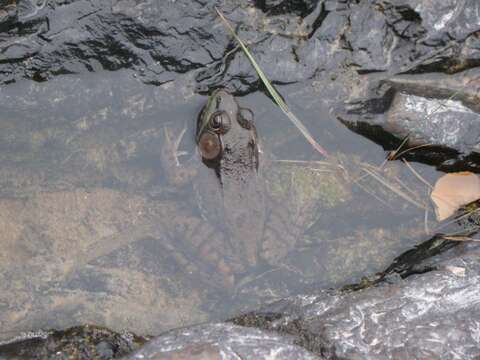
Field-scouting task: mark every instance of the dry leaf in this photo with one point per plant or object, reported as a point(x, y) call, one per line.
point(452, 191)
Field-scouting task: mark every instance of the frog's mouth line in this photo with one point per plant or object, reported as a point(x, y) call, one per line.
point(201, 126)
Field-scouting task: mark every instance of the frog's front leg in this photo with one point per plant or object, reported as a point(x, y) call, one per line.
point(176, 173)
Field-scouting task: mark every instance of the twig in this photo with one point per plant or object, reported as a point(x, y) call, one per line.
point(410, 149)
point(418, 176)
point(459, 238)
point(397, 191)
point(371, 193)
point(393, 154)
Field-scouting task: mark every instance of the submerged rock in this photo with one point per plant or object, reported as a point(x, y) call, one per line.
point(89, 267)
point(429, 309)
point(431, 315)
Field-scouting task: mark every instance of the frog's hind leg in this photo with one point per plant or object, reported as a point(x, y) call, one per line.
point(204, 248)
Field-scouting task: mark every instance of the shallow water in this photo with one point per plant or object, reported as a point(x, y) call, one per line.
point(84, 206)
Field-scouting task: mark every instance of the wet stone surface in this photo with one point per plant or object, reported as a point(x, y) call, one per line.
point(86, 342)
point(222, 341)
point(293, 41)
point(434, 314)
point(439, 113)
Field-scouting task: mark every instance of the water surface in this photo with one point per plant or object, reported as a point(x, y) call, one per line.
point(84, 204)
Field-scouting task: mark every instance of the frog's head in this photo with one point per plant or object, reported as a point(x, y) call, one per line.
point(223, 126)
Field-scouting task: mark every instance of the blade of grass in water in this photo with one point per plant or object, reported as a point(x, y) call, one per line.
point(393, 188)
point(276, 97)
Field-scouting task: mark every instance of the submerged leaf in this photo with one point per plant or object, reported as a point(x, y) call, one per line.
point(454, 190)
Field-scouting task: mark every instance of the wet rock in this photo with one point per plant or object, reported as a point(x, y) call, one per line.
point(391, 320)
point(276, 7)
point(82, 342)
point(370, 39)
point(446, 17)
point(8, 13)
point(222, 341)
point(439, 112)
point(432, 312)
point(291, 40)
point(427, 26)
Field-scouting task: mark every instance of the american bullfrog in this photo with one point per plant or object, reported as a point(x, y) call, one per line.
point(227, 143)
point(245, 222)
point(229, 189)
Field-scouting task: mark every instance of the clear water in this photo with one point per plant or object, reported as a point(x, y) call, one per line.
point(84, 207)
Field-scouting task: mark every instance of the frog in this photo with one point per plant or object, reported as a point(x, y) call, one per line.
point(246, 223)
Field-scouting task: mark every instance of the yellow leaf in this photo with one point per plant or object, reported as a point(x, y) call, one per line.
point(452, 191)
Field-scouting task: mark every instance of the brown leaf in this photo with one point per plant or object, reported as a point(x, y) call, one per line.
point(452, 191)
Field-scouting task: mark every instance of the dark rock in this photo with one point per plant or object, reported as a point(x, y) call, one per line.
point(82, 342)
point(292, 40)
point(276, 7)
point(446, 17)
point(8, 14)
point(370, 39)
point(437, 111)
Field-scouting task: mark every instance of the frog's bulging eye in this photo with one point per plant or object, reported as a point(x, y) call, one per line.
point(246, 119)
point(220, 122)
point(209, 145)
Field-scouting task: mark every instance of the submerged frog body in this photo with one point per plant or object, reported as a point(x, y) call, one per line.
point(227, 142)
point(243, 225)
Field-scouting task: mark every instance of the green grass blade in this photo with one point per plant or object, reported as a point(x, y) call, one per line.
point(276, 97)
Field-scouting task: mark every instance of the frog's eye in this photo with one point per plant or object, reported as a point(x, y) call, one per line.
point(220, 122)
point(246, 118)
point(209, 145)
